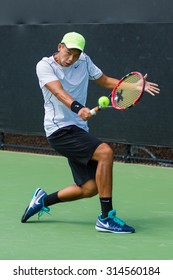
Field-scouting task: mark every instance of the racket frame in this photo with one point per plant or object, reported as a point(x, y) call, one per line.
point(113, 93)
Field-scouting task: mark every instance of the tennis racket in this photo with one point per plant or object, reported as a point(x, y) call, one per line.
point(126, 93)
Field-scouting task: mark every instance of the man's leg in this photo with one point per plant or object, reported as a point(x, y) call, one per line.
point(107, 221)
point(104, 156)
point(75, 192)
point(41, 200)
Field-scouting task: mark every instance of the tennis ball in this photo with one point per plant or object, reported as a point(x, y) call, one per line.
point(103, 101)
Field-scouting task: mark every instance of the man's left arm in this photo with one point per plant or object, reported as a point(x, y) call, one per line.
point(106, 82)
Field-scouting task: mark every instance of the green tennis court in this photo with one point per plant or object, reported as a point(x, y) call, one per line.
point(142, 197)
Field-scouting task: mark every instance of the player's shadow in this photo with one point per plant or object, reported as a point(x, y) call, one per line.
point(142, 225)
point(148, 224)
point(50, 221)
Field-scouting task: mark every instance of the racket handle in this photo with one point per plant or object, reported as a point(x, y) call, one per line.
point(94, 111)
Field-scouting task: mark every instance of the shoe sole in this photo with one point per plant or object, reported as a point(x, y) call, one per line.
point(108, 230)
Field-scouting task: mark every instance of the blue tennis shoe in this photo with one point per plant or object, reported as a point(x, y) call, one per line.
point(113, 224)
point(36, 205)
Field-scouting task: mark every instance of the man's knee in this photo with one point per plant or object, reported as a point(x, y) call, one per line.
point(107, 149)
point(90, 193)
point(103, 152)
point(89, 189)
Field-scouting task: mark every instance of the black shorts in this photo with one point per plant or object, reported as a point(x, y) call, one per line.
point(78, 146)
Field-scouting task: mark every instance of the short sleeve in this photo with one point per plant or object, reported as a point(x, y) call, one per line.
point(45, 73)
point(94, 72)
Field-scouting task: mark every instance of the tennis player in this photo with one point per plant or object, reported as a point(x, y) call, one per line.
point(63, 79)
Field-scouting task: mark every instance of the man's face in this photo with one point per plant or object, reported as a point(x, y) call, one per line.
point(67, 57)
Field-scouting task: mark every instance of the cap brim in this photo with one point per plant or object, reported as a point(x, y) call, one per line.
point(72, 46)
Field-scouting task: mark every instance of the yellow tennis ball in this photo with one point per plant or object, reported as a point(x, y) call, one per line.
point(103, 101)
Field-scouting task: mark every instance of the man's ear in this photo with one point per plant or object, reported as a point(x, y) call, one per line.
point(60, 46)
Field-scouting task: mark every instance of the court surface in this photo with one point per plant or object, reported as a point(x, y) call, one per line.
point(142, 197)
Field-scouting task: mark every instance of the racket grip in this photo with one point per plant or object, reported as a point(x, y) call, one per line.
point(94, 111)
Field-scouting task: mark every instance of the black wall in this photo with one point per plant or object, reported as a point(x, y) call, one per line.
point(82, 11)
point(120, 38)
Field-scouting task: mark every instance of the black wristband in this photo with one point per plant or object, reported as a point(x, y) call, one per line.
point(76, 106)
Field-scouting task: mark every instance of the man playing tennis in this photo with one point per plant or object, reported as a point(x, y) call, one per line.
point(63, 79)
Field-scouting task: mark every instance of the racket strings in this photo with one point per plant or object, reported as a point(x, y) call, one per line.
point(128, 91)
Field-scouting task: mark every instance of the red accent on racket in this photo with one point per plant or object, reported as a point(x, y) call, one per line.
point(126, 93)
